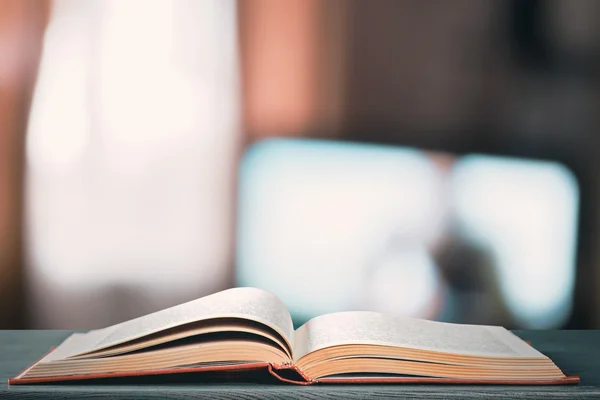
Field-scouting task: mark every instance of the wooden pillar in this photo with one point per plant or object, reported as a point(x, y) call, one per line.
point(292, 56)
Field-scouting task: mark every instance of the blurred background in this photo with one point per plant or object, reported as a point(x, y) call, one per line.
point(424, 158)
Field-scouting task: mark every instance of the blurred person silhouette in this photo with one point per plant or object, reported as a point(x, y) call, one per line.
point(445, 276)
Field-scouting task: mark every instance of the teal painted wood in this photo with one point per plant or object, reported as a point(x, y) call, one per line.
point(576, 352)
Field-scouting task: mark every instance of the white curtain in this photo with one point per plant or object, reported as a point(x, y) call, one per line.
point(130, 159)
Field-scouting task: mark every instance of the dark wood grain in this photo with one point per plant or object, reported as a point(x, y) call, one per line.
point(576, 352)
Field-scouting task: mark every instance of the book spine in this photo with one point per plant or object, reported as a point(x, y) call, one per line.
point(289, 373)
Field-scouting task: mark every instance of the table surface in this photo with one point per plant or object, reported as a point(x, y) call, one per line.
point(576, 352)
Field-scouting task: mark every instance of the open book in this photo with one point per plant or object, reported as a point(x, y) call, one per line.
point(248, 328)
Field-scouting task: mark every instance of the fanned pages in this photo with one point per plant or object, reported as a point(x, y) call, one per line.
point(246, 304)
point(247, 328)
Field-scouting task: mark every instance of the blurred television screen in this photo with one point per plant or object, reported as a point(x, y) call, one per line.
point(331, 226)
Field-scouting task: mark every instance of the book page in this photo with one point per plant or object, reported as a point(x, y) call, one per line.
point(247, 303)
point(362, 327)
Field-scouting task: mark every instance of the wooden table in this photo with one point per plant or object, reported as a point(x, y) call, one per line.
point(576, 352)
